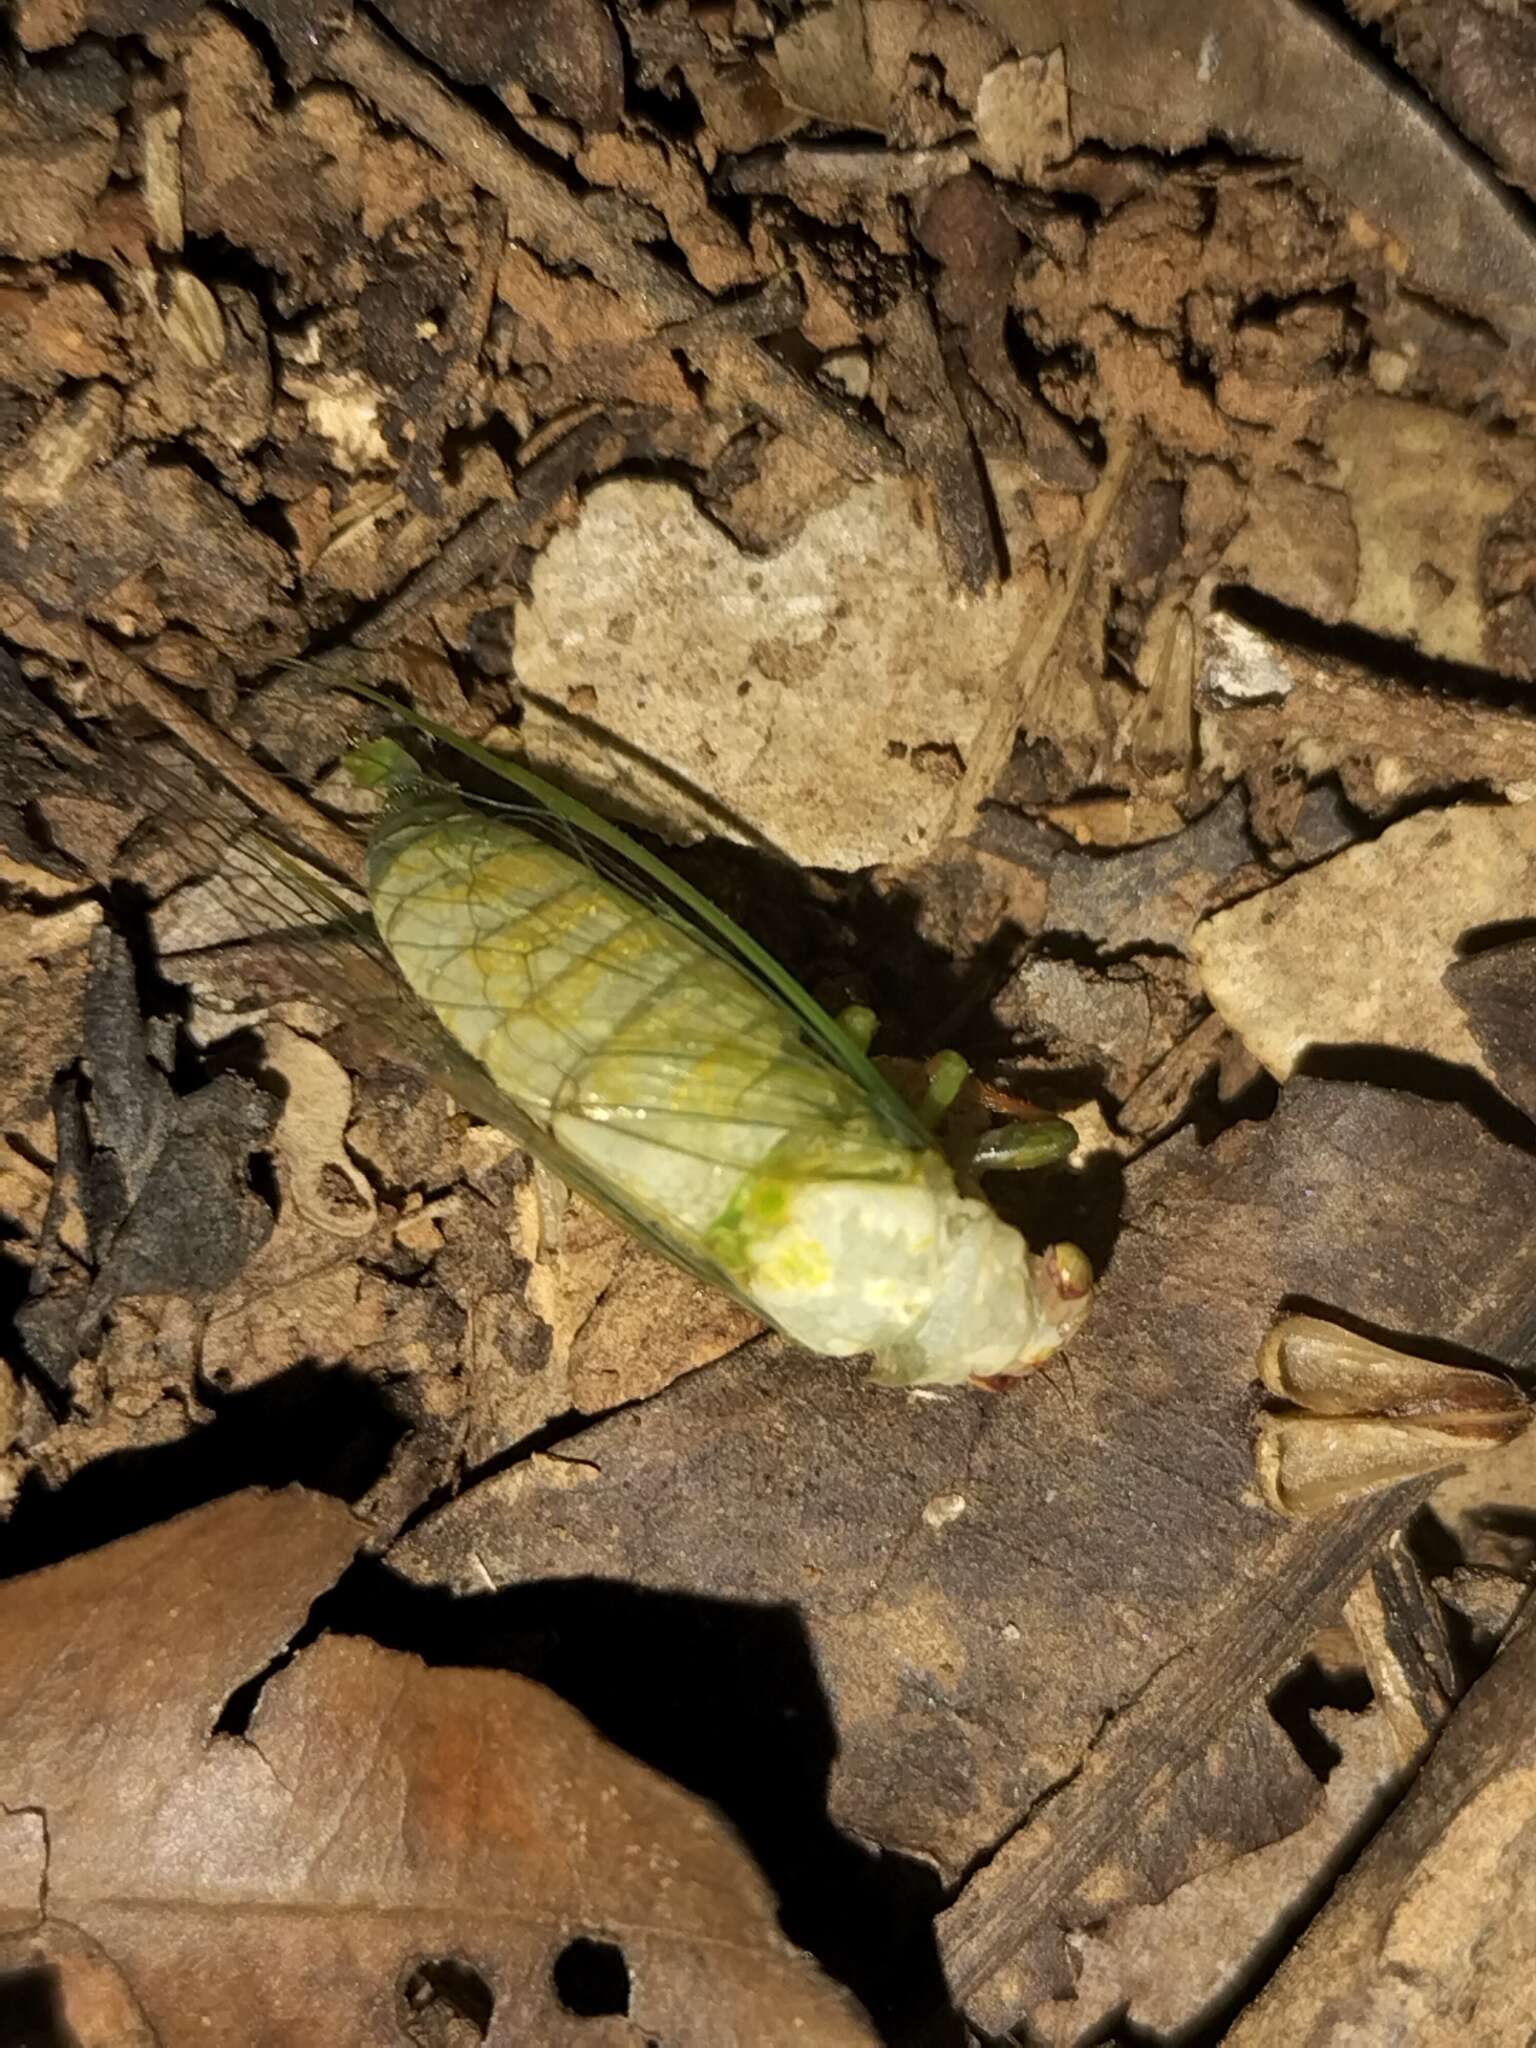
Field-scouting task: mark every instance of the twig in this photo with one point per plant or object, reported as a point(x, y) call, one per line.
point(489, 535)
point(927, 420)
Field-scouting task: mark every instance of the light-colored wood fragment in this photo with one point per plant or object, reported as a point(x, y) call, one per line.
point(1352, 952)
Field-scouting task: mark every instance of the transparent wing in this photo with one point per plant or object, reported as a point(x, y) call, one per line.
point(318, 938)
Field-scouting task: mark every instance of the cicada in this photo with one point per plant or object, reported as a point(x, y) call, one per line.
point(568, 985)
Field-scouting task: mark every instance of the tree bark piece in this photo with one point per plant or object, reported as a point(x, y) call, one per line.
point(1432, 1937)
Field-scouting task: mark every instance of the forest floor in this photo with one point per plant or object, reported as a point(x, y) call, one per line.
point(1034, 508)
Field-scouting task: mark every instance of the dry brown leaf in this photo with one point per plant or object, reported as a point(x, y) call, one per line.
point(1285, 82)
point(1477, 62)
point(1298, 544)
point(1165, 1966)
point(292, 1883)
point(566, 51)
point(1430, 1938)
point(1497, 990)
point(953, 1649)
point(58, 138)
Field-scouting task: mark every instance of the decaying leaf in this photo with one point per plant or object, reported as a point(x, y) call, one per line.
point(378, 1823)
point(155, 1195)
point(1497, 991)
point(953, 1649)
point(1023, 122)
point(1283, 82)
point(1426, 491)
point(1168, 1965)
point(1430, 1937)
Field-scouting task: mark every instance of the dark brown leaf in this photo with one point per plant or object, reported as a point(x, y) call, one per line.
point(1497, 989)
point(962, 1564)
point(1432, 1936)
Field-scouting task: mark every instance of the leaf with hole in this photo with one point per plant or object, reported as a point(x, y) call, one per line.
point(386, 1849)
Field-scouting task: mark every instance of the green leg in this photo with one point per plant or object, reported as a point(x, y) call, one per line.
point(858, 1025)
point(1019, 1147)
point(948, 1073)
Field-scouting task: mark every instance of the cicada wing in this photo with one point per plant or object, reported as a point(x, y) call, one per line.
point(435, 1053)
point(319, 940)
point(611, 851)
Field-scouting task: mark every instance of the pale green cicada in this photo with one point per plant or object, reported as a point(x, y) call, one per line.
point(625, 1030)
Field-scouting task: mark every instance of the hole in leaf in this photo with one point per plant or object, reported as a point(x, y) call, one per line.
point(592, 1978)
point(443, 1999)
point(1300, 1696)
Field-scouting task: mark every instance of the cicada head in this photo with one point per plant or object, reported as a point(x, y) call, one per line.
point(996, 1310)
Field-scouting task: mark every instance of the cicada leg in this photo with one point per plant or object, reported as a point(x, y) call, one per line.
point(947, 1073)
point(858, 1025)
point(1026, 1143)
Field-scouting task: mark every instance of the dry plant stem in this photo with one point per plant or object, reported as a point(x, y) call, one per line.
point(543, 213)
point(932, 428)
point(1011, 712)
point(1335, 711)
point(772, 307)
point(472, 318)
point(1035, 1875)
point(489, 535)
point(1432, 1936)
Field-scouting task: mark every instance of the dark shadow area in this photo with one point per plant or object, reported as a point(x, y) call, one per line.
point(1211, 1114)
point(437, 1994)
point(592, 1978)
point(330, 1429)
point(31, 2015)
point(722, 1697)
point(1391, 661)
point(1060, 1204)
point(1512, 1530)
point(1492, 938)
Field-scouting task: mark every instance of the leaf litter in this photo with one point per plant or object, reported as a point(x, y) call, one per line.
point(1056, 562)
